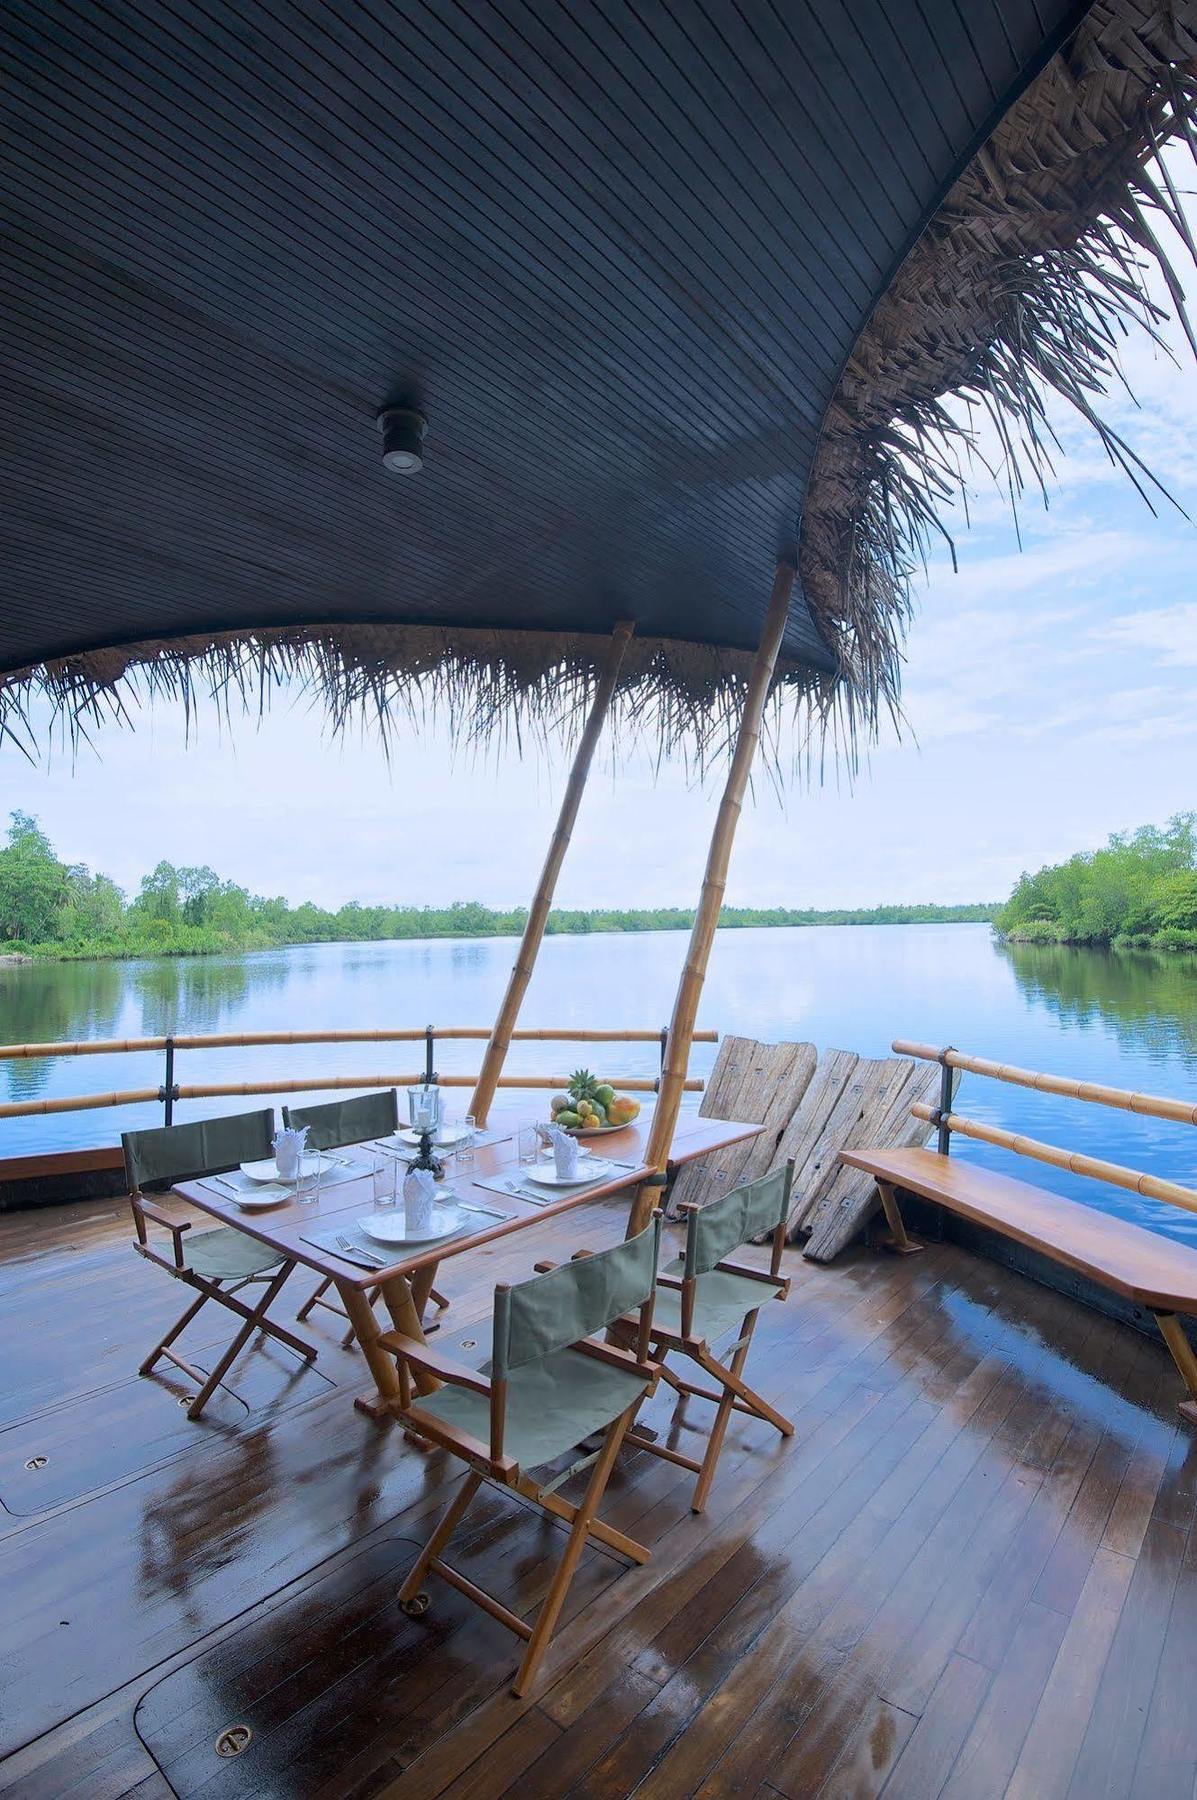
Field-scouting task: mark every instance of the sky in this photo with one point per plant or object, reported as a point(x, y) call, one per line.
point(1048, 697)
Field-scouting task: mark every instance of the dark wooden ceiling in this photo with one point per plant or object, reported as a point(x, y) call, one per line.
point(618, 252)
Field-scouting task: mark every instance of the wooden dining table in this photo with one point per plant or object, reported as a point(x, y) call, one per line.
point(406, 1282)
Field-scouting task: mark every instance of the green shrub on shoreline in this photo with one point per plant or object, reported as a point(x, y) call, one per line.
point(1139, 890)
point(55, 911)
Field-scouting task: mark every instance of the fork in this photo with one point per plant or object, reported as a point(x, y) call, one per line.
point(372, 1262)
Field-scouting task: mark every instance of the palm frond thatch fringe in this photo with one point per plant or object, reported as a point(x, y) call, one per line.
point(1024, 285)
point(490, 685)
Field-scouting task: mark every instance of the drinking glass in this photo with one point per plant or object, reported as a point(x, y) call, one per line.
point(529, 1144)
point(463, 1150)
point(384, 1176)
point(307, 1190)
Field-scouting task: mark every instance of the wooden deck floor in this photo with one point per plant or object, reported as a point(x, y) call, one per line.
point(972, 1572)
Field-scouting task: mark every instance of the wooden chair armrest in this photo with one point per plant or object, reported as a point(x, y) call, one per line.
point(432, 1362)
point(144, 1209)
point(671, 1281)
point(735, 1268)
point(619, 1359)
point(461, 1443)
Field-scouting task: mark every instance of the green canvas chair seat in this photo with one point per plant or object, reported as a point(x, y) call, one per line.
point(721, 1300)
point(228, 1255)
point(549, 1386)
point(551, 1405)
point(215, 1263)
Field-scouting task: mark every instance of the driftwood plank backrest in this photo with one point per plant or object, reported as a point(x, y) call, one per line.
point(811, 1107)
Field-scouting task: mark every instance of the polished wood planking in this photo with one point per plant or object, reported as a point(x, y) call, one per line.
point(970, 1572)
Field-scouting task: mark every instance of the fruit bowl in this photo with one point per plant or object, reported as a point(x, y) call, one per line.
point(585, 1109)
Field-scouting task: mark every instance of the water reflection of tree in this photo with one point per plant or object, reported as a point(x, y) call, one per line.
point(203, 993)
point(43, 1003)
point(1148, 998)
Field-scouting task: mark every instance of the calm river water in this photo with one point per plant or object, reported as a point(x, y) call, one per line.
point(1124, 1017)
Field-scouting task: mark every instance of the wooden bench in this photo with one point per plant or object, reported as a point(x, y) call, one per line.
point(1150, 1270)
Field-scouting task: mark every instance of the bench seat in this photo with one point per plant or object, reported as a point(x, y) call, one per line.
point(1150, 1270)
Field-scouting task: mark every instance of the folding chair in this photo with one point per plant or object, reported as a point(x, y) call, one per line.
point(356, 1121)
point(546, 1389)
point(701, 1295)
point(216, 1263)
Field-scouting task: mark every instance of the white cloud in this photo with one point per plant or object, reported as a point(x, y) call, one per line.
point(1169, 633)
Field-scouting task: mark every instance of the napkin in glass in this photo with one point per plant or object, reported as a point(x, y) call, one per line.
point(565, 1152)
point(419, 1193)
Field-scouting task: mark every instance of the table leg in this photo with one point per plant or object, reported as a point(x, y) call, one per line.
point(380, 1404)
point(405, 1316)
point(421, 1287)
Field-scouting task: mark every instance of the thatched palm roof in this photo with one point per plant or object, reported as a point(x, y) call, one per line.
point(681, 290)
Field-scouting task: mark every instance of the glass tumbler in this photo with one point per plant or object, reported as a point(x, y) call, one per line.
point(384, 1175)
point(307, 1189)
point(463, 1149)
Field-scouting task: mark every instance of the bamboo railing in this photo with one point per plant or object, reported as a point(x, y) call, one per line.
point(1076, 1162)
point(1153, 1187)
point(429, 1036)
point(1154, 1106)
point(233, 1040)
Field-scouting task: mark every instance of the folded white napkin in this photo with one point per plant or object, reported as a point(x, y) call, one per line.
point(419, 1193)
point(565, 1152)
point(288, 1147)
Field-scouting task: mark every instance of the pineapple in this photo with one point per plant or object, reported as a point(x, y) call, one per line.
point(582, 1085)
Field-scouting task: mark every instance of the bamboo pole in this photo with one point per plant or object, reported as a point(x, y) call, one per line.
point(685, 1006)
point(308, 1084)
point(1152, 1187)
point(234, 1040)
point(1153, 1106)
point(538, 913)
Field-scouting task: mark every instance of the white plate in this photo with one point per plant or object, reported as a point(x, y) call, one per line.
point(548, 1176)
point(391, 1228)
point(446, 1137)
point(259, 1202)
point(267, 1169)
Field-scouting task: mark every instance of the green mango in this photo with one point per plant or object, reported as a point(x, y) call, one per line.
point(567, 1120)
point(604, 1094)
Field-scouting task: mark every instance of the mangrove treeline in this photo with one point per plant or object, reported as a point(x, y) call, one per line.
point(56, 909)
point(1140, 889)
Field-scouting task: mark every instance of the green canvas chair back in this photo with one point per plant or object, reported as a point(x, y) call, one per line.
point(171, 1153)
point(553, 1311)
point(353, 1121)
point(748, 1212)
